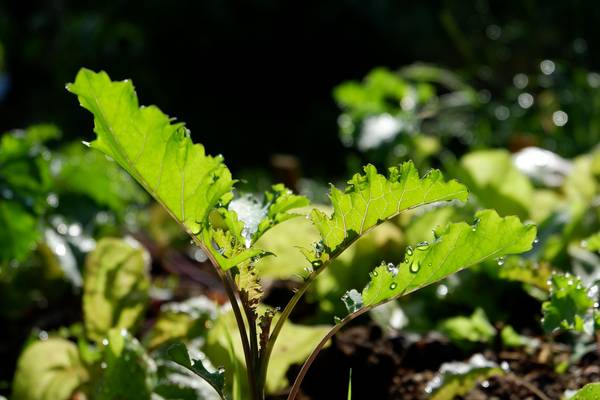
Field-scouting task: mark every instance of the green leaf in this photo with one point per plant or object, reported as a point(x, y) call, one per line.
point(162, 158)
point(458, 246)
point(116, 285)
point(19, 234)
point(127, 371)
point(49, 370)
point(92, 175)
point(279, 202)
point(179, 383)
point(468, 330)
point(592, 243)
point(591, 391)
point(178, 353)
point(24, 167)
point(526, 271)
point(511, 338)
point(497, 183)
point(182, 321)
point(372, 198)
point(459, 378)
point(569, 305)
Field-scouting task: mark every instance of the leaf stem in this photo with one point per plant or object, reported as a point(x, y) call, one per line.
point(232, 294)
point(265, 355)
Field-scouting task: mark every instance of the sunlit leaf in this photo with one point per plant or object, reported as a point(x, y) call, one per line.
point(160, 155)
point(49, 370)
point(116, 284)
point(372, 198)
point(453, 248)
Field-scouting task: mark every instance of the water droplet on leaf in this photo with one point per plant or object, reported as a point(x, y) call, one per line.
point(414, 267)
point(393, 285)
point(422, 245)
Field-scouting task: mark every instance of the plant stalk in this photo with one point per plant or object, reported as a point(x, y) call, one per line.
point(300, 377)
point(231, 291)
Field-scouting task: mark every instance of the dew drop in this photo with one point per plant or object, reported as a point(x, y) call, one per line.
point(422, 245)
point(409, 251)
point(536, 241)
point(105, 342)
point(337, 320)
point(414, 267)
point(375, 273)
point(393, 285)
point(500, 261)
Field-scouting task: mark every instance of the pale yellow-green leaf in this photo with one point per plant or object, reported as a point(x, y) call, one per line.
point(49, 370)
point(116, 285)
point(372, 198)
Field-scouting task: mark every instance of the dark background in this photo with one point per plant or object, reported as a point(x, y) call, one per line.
point(253, 78)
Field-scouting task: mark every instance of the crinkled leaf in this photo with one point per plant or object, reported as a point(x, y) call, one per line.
point(569, 305)
point(249, 283)
point(459, 378)
point(496, 182)
point(458, 246)
point(468, 330)
point(161, 156)
point(372, 198)
point(116, 285)
point(591, 391)
point(49, 370)
point(19, 233)
point(178, 353)
point(127, 371)
point(279, 201)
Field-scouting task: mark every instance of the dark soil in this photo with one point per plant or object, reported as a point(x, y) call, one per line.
point(400, 368)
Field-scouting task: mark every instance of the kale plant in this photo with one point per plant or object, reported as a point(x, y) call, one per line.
point(198, 191)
